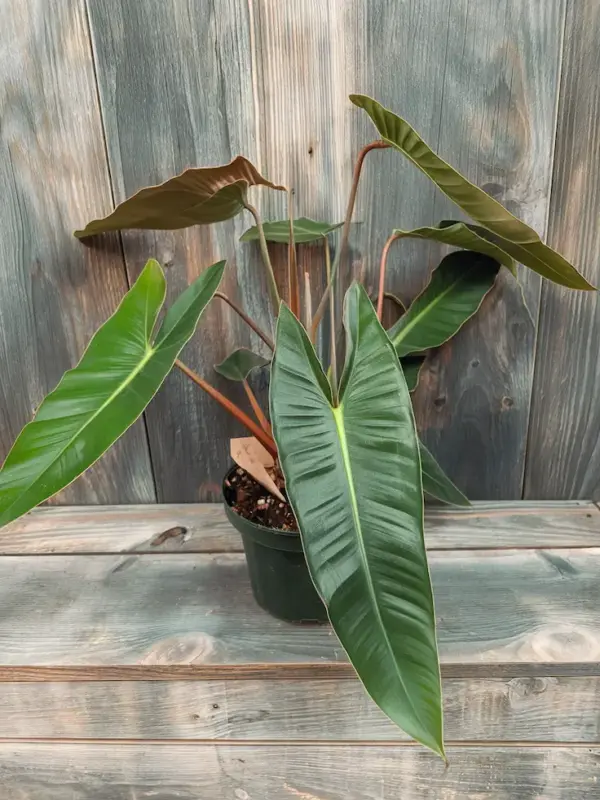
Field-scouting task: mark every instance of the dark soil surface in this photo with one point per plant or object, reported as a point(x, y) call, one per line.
point(253, 502)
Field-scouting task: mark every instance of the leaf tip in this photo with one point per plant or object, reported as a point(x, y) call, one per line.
point(358, 99)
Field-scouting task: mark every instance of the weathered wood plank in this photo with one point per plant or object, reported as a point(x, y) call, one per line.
point(564, 443)
point(494, 608)
point(487, 710)
point(54, 292)
point(41, 771)
point(497, 125)
point(203, 528)
point(176, 91)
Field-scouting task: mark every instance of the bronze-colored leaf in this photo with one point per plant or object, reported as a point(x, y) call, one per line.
point(199, 196)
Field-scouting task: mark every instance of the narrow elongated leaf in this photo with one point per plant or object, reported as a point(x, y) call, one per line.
point(105, 393)
point(305, 231)
point(239, 364)
point(527, 245)
point(454, 293)
point(353, 476)
point(436, 483)
point(469, 237)
point(411, 367)
point(198, 196)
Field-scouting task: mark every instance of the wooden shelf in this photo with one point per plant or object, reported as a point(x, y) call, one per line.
point(124, 627)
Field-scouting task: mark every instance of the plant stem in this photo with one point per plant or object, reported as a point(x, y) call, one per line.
point(307, 301)
point(332, 332)
point(382, 268)
point(292, 263)
point(223, 401)
point(377, 145)
point(258, 412)
point(249, 322)
point(266, 258)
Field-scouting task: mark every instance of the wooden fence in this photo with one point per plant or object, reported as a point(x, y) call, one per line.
point(101, 97)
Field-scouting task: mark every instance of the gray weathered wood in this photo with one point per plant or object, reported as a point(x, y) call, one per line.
point(534, 607)
point(175, 85)
point(54, 292)
point(487, 710)
point(497, 124)
point(564, 444)
point(204, 528)
point(294, 772)
point(277, 90)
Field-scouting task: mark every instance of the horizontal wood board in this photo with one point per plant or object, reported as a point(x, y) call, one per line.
point(538, 607)
point(108, 771)
point(203, 528)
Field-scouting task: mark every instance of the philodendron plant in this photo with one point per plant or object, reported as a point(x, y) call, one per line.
point(354, 469)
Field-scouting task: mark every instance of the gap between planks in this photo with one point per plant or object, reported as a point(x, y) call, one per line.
point(278, 671)
point(298, 743)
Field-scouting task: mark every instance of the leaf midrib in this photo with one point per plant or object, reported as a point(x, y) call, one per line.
point(338, 416)
point(410, 325)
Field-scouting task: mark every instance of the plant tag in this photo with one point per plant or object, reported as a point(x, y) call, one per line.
point(249, 454)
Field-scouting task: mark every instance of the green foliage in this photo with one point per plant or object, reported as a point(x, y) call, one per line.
point(411, 366)
point(454, 293)
point(525, 244)
point(240, 363)
point(361, 510)
point(355, 469)
point(469, 237)
point(436, 483)
point(305, 231)
point(96, 402)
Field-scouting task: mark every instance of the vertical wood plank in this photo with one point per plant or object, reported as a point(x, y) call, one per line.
point(54, 292)
point(497, 126)
point(563, 457)
point(176, 91)
point(182, 86)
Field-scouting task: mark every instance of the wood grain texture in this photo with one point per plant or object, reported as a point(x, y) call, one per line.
point(54, 292)
point(494, 608)
point(563, 458)
point(294, 772)
point(175, 85)
point(487, 710)
point(271, 80)
point(497, 125)
point(203, 528)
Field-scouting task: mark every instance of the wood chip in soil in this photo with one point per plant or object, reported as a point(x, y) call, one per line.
point(253, 502)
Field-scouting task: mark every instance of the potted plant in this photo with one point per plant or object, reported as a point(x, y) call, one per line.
point(334, 476)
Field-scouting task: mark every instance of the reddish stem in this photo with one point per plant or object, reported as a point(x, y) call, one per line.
point(234, 410)
point(249, 322)
point(382, 268)
point(377, 145)
point(258, 412)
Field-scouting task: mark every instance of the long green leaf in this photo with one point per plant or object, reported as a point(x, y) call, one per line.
point(353, 476)
point(527, 245)
point(454, 293)
point(305, 231)
point(105, 393)
point(436, 483)
point(469, 237)
point(196, 197)
point(240, 363)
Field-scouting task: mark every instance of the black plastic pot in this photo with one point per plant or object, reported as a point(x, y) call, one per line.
point(279, 576)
